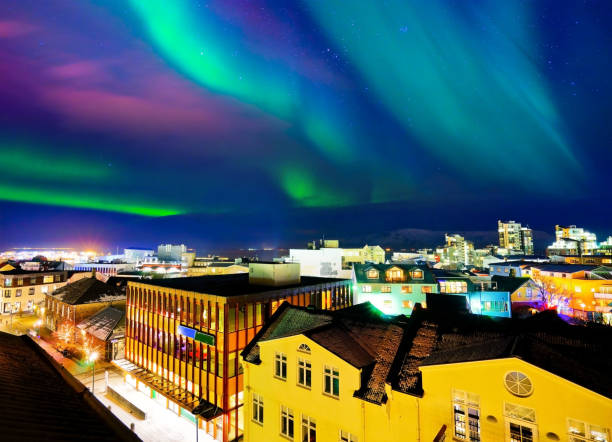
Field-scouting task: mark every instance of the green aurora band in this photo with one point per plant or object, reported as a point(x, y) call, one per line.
point(477, 101)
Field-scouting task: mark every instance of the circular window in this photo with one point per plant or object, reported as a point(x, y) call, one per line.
point(518, 384)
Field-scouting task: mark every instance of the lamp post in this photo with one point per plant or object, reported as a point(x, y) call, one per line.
point(196, 412)
point(92, 358)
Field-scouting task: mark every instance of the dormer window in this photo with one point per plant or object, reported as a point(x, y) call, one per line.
point(417, 274)
point(372, 274)
point(395, 274)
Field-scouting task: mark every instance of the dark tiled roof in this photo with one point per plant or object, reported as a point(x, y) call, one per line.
point(230, 285)
point(104, 324)
point(392, 350)
point(38, 403)
point(87, 290)
point(359, 335)
point(578, 354)
point(362, 269)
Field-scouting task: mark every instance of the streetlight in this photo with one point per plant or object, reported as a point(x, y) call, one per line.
point(92, 358)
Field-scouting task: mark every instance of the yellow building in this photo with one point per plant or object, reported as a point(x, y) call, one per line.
point(24, 290)
point(352, 375)
point(373, 254)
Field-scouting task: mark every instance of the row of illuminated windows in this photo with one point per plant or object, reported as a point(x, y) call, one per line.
point(494, 306)
point(521, 423)
point(331, 375)
point(287, 423)
point(58, 308)
point(394, 274)
point(182, 348)
point(202, 314)
point(16, 307)
point(18, 292)
point(406, 289)
point(453, 287)
point(8, 282)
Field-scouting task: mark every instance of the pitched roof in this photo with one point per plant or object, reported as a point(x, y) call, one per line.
point(39, 400)
point(105, 324)
point(88, 290)
point(393, 350)
point(359, 335)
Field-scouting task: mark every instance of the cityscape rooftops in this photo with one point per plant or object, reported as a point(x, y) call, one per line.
point(41, 401)
point(391, 350)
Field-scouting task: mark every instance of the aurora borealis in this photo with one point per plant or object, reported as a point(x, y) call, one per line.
point(413, 110)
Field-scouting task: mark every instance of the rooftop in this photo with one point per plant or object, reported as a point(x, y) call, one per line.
point(39, 400)
point(391, 350)
point(229, 285)
point(87, 290)
point(106, 324)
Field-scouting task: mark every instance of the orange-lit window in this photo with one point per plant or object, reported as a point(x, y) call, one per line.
point(395, 274)
point(372, 274)
point(417, 274)
point(406, 289)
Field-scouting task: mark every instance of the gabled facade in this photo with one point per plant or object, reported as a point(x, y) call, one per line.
point(393, 288)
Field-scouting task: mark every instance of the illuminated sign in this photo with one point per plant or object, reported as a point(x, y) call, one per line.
point(195, 335)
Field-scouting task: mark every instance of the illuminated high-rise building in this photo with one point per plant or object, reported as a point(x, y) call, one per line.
point(514, 237)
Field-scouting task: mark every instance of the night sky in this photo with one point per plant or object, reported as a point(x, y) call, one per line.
point(236, 122)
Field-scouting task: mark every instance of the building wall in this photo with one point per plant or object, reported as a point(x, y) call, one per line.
point(28, 290)
point(331, 414)
point(400, 300)
point(214, 270)
point(554, 399)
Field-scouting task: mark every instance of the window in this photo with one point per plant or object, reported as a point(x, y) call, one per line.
point(286, 422)
point(395, 274)
point(280, 366)
point(466, 414)
point(56, 278)
point(47, 279)
point(8, 282)
point(7, 293)
point(426, 289)
point(520, 433)
point(519, 412)
point(372, 274)
point(385, 289)
point(18, 292)
point(407, 304)
point(331, 381)
point(258, 409)
point(19, 281)
point(33, 280)
point(417, 274)
point(309, 429)
point(345, 436)
point(31, 291)
point(7, 307)
point(366, 289)
point(304, 348)
point(304, 373)
point(581, 431)
point(406, 289)
point(453, 287)
point(518, 384)
point(44, 289)
point(17, 307)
